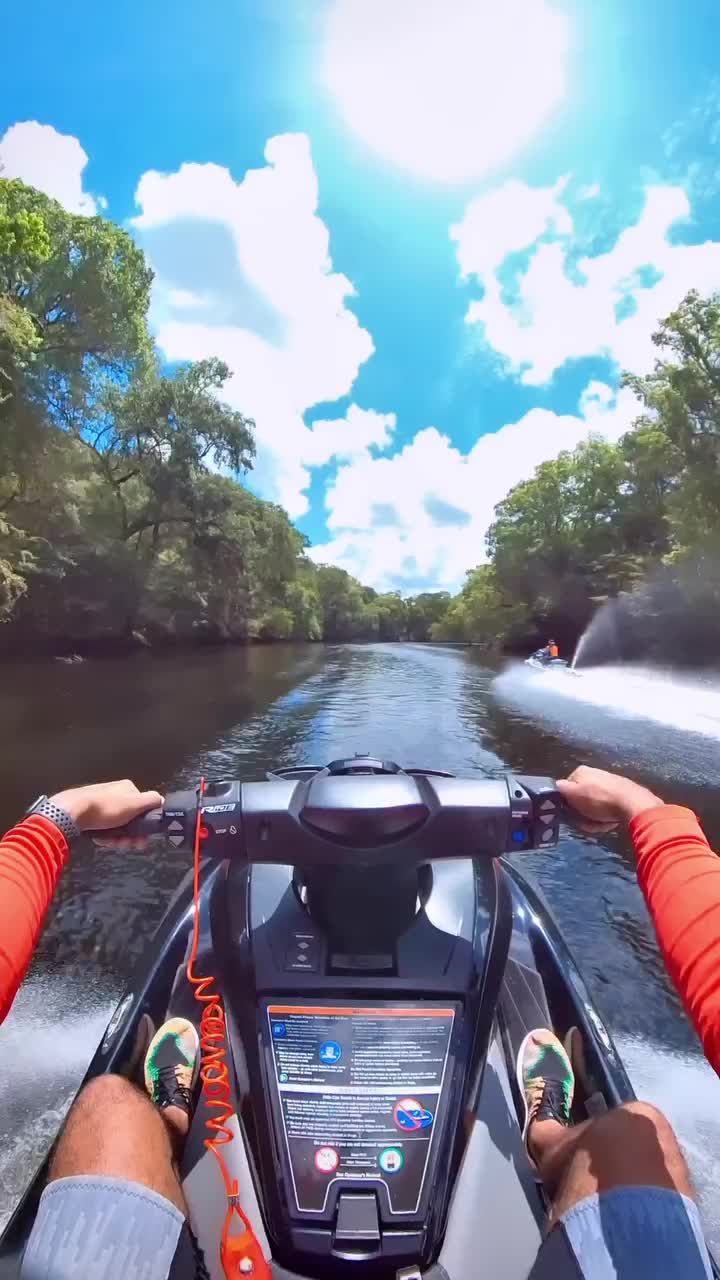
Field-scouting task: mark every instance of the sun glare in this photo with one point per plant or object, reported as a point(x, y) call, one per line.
point(447, 89)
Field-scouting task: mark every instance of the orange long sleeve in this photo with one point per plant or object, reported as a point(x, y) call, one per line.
point(32, 856)
point(680, 877)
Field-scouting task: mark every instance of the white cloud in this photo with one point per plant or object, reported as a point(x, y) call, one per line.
point(596, 397)
point(418, 520)
point(185, 299)
point(505, 220)
point(51, 161)
point(564, 308)
point(244, 273)
point(348, 438)
point(446, 89)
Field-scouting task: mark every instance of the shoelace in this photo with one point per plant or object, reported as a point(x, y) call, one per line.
point(551, 1102)
point(168, 1089)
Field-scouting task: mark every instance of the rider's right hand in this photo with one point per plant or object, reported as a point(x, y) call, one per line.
point(605, 799)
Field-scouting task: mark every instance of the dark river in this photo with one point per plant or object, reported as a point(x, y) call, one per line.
point(235, 712)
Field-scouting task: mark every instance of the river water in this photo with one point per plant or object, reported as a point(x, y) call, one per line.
point(237, 712)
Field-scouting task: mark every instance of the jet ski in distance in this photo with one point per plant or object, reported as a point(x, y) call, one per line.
point(355, 915)
point(539, 663)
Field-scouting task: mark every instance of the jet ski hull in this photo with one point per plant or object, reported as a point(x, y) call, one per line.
point(530, 980)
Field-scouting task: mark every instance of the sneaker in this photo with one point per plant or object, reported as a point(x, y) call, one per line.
point(546, 1079)
point(172, 1063)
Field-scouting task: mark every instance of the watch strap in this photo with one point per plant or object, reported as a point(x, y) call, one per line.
point(62, 820)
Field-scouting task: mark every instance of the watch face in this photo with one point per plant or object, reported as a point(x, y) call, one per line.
point(35, 805)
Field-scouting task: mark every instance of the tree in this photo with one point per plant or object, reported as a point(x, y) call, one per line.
point(153, 440)
point(559, 540)
point(391, 612)
point(24, 247)
point(150, 445)
point(346, 613)
point(303, 600)
point(681, 398)
point(15, 560)
point(75, 296)
point(480, 613)
point(424, 611)
point(73, 301)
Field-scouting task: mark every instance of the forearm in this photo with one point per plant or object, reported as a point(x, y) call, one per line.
point(32, 857)
point(680, 877)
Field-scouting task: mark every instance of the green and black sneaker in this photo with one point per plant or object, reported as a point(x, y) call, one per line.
point(546, 1079)
point(172, 1063)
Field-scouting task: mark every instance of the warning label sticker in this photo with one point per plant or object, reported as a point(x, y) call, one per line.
point(361, 1092)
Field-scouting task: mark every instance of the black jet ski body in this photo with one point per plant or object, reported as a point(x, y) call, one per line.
point(375, 1006)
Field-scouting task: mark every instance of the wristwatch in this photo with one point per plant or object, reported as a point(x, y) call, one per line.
point(58, 816)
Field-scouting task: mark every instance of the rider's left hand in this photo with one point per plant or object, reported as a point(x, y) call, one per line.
point(105, 805)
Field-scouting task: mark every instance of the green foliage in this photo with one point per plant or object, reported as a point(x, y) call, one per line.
point(347, 615)
point(682, 408)
point(391, 611)
point(480, 613)
point(74, 295)
point(558, 539)
point(15, 562)
point(592, 524)
point(425, 611)
point(83, 284)
point(121, 515)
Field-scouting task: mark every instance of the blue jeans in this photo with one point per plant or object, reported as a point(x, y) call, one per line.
point(629, 1233)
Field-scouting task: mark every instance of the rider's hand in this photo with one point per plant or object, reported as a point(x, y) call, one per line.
point(605, 799)
point(105, 805)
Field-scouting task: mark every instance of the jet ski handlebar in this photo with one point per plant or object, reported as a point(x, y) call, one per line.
point(357, 812)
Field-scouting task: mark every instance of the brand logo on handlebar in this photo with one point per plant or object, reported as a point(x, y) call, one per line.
point(218, 808)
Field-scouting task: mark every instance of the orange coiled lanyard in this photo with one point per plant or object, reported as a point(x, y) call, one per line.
point(240, 1251)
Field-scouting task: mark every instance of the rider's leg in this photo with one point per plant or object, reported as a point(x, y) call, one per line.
point(631, 1146)
point(113, 1206)
point(621, 1201)
point(114, 1131)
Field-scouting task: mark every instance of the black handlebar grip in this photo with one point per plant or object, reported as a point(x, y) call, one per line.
point(147, 825)
point(174, 823)
point(142, 828)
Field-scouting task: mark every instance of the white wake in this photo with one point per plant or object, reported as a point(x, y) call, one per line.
point(684, 1087)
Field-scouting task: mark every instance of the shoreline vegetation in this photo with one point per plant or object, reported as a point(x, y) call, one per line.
point(124, 524)
point(121, 647)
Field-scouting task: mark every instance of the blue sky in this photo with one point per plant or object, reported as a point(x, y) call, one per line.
point(425, 234)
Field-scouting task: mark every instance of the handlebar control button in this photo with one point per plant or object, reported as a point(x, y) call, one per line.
point(547, 829)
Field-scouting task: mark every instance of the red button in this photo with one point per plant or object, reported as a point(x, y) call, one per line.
point(204, 832)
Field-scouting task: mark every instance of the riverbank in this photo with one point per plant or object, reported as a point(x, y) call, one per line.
point(76, 651)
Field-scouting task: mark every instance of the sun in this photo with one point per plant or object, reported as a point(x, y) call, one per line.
point(445, 89)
